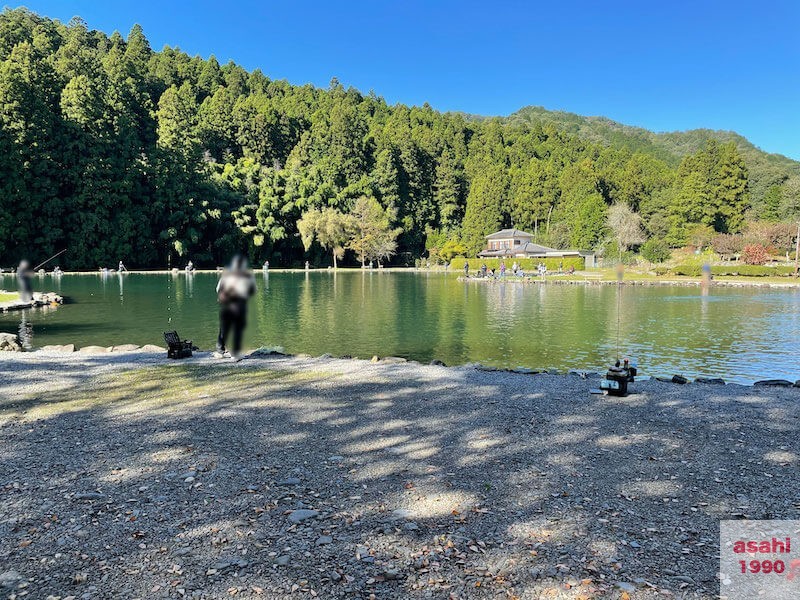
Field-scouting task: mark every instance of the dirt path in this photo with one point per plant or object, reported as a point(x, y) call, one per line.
point(124, 476)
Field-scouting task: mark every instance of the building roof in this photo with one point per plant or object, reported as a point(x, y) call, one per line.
point(531, 248)
point(508, 233)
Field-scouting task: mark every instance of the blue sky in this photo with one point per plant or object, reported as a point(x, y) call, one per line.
point(662, 65)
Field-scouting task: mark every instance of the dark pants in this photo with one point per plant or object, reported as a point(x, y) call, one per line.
point(25, 288)
point(232, 319)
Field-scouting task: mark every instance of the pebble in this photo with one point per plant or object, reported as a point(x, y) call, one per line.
point(9, 578)
point(302, 514)
point(392, 574)
point(89, 496)
point(290, 481)
point(324, 539)
point(283, 561)
point(626, 587)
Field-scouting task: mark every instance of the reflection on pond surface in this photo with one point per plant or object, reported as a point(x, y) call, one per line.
point(742, 334)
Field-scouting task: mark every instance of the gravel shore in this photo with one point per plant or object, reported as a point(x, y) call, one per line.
point(130, 476)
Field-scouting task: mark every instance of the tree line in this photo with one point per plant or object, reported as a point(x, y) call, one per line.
point(119, 152)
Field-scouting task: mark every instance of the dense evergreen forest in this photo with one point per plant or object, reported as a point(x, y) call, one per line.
point(117, 152)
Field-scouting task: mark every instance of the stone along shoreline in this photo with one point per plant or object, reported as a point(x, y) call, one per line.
point(126, 474)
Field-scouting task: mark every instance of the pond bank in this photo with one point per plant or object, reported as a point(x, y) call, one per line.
point(590, 280)
point(39, 299)
point(126, 473)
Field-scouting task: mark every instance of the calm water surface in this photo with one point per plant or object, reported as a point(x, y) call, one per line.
point(739, 334)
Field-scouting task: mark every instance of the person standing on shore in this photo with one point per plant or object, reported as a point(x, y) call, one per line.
point(234, 289)
point(24, 281)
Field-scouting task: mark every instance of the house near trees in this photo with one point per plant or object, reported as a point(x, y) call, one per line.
point(514, 243)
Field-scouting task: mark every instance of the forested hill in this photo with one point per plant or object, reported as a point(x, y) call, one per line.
point(118, 152)
point(764, 169)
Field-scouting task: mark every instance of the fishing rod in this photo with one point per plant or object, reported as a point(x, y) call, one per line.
point(48, 260)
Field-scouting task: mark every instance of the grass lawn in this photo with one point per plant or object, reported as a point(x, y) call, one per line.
point(8, 296)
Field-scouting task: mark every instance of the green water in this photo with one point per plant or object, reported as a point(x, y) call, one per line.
point(739, 334)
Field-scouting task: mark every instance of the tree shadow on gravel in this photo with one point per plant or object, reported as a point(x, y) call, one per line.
point(182, 480)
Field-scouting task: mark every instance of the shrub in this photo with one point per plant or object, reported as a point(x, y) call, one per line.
point(727, 244)
point(655, 250)
point(740, 270)
point(687, 270)
point(755, 254)
point(527, 264)
point(779, 236)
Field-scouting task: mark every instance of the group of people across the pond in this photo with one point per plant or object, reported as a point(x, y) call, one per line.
point(516, 270)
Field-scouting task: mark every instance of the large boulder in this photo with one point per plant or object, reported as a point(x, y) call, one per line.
point(94, 350)
point(152, 348)
point(59, 348)
point(773, 383)
point(9, 342)
point(125, 348)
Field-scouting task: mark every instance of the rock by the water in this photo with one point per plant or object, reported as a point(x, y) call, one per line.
point(9, 342)
point(264, 351)
point(375, 358)
point(710, 380)
point(774, 383)
point(152, 348)
point(125, 348)
point(523, 371)
point(59, 348)
point(94, 350)
point(679, 379)
point(437, 363)
point(393, 360)
point(302, 514)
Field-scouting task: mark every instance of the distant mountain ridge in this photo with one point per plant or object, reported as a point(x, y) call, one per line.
point(766, 169)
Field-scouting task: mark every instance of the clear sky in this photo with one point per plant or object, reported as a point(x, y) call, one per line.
point(665, 66)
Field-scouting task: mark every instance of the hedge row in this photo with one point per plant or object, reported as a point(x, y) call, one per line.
point(526, 264)
point(728, 270)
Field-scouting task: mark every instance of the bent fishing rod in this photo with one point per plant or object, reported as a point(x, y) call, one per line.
point(48, 260)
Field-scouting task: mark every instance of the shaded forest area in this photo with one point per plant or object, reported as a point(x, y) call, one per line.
point(117, 152)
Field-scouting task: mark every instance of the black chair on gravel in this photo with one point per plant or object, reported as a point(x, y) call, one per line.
point(177, 348)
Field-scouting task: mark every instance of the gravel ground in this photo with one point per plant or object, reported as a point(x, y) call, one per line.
point(128, 476)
